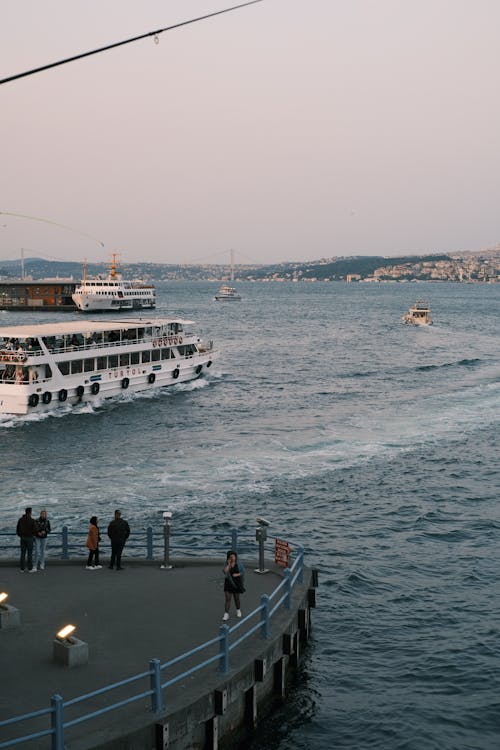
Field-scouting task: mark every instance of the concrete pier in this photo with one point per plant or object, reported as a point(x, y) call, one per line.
point(128, 618)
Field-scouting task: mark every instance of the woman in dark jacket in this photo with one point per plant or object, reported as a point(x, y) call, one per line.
point(233, 584)
point(42, 531)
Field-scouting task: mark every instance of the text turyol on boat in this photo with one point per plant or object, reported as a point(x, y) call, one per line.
point(113, 293)
point(48, 364)
point(418, 315)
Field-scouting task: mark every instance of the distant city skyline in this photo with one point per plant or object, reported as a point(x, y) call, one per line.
point(287, 131)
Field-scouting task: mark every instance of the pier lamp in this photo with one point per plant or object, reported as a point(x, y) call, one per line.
point(65, 633)
point(167, 515)
point(261, 536)
point(10, 617)
point(69, 650)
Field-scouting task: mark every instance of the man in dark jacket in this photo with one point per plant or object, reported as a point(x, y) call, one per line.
point(118, 532)
point(26, 530)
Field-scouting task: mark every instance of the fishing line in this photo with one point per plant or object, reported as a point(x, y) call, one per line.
point(154, 34)
point(54, 223)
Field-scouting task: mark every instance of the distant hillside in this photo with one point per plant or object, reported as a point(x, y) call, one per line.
point(338, 269)
point(38, 268)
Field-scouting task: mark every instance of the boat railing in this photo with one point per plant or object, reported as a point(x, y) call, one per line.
point(20, 357)
point(155, 682)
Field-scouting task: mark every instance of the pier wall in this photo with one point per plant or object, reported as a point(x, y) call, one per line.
point(218, 711)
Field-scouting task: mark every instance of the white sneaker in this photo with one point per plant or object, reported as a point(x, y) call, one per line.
point(33, 570)
point(238, 613)
point(89, 567)
point(226, 616)
point(97, 567)
point(42, 566)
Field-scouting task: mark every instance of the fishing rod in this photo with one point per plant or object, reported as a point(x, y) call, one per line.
point(155, 34)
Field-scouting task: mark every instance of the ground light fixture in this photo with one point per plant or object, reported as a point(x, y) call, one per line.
point(68, 650)
point(10, 617)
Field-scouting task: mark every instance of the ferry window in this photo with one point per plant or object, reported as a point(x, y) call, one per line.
point(64, 368)
point(155, 355)
point(76, 366)
point(182, 350)
point(134, 358)
point(124, 360)
point(89, 365)
point(48, 372)
point(165, 353)
point(148, 331)
point(146, 356)
point(140, 333)
point(102, 363)
point(113, 360)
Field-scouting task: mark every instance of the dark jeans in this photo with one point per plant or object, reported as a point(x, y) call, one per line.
point(93, 558)
point(116, 553)
point(27, 548)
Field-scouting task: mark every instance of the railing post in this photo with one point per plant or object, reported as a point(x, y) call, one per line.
point(224, 649)
point(65, 546)
point(56, 722)
point(155, 678)
point(300, 577)
point(234, 540)
point(287, 573)
point(149, 543)
point(166, 541)
point(264, 603)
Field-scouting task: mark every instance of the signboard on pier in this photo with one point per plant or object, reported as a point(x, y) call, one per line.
point(281, 552)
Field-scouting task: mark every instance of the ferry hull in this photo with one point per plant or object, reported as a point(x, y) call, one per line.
point(108, 385)
point(89, 304)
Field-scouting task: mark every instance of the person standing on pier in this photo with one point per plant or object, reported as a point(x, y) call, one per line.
point(26, 530)
point(42, 531)
point(233, 584)
point(118, 532)
point(92, 544)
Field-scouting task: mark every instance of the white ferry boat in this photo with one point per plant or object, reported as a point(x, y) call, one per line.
point(113, 293)
point(227, 293)
point(46, 365)
point(418, 315)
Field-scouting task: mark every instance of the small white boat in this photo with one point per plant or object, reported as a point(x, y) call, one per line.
point(113, 293)
point(46, 365)
point(418, 315)
point(227, 293)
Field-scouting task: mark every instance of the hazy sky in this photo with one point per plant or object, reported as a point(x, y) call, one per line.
point(287, 130)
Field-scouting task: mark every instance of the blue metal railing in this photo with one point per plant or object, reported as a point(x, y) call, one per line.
point(145, 543)
point(258, 621)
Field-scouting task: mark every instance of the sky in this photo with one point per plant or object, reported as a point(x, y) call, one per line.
point(289, 130)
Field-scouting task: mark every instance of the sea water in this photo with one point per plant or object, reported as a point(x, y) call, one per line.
point(372, 443)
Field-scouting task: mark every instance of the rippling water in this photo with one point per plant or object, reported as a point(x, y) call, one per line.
point(372, 442)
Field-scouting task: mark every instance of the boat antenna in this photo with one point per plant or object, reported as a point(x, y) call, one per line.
point(232, 264)
point(155, 34)
point(112, 270)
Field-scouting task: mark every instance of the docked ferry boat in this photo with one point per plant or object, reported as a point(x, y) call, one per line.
point(113, 293)
point(227, 293)
point(46, 365)
point(418, 315)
